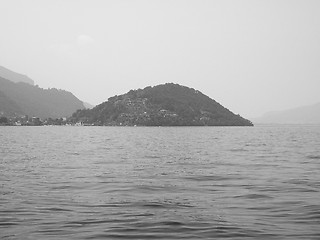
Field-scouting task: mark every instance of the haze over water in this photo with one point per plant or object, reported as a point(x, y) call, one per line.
point(258, 182)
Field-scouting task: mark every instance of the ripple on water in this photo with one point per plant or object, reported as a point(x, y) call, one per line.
point(159, 183)
point(313, 157)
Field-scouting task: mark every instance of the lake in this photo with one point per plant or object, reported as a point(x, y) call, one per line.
point(259, 182)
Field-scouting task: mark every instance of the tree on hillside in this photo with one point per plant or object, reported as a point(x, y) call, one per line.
point(3, 120)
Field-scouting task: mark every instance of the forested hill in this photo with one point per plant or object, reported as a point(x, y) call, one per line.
point(20, 98)
point(163, 105)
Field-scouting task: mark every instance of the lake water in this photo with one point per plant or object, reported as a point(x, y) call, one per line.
point(258, 182)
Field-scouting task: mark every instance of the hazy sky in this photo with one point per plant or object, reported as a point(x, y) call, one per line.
point(250, 56)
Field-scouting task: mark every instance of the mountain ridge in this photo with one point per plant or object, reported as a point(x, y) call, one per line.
point(17, 99)
point(14, 77)
point(309, 114)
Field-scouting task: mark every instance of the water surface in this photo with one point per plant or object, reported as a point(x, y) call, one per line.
point(160, 182)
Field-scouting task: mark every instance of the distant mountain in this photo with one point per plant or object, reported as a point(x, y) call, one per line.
point(301, 115)
point(163, 105)
point(20, 98)
point(14, 77)
point(88, 105)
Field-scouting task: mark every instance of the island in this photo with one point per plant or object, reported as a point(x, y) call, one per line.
point(162, 105)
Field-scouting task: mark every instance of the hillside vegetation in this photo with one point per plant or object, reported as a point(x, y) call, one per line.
point(163, 105)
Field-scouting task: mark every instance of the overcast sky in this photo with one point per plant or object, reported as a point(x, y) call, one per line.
point(250, 56)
